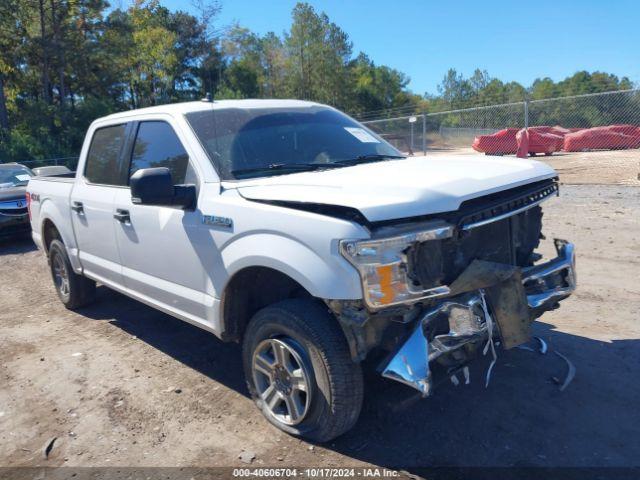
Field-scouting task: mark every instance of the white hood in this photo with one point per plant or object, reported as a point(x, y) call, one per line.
point(399, 188)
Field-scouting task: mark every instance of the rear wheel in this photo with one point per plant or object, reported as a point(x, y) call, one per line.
point(299, 370)
point(74, 290)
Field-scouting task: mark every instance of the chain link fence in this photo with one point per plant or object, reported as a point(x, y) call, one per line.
point(582, 123)
point(408, 134)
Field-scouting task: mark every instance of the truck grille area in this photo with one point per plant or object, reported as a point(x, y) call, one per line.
point(510, 240)
point(499, 205)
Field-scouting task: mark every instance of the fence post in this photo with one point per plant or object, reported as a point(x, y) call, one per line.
point(526, 113)
point(424, 134)
point(411, 135)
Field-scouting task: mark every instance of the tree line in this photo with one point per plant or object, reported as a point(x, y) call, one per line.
point(480, 88)
point(64, 63)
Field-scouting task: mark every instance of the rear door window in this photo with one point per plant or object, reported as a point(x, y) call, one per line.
point(103, 165)
point(157, 145)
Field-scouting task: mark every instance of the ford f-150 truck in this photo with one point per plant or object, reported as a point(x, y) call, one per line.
point(293, 229)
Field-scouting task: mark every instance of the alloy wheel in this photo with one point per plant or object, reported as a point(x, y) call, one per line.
point(61, 275)
point(282, 379)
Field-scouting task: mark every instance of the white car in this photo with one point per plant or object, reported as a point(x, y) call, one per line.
point(290, 227)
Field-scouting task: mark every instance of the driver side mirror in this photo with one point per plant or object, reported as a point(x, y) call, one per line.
point(154, 186)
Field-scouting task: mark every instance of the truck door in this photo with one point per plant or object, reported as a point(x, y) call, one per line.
point(92, 203)
point(159, 245)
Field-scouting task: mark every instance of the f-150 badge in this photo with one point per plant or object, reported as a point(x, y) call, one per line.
point(216, 221)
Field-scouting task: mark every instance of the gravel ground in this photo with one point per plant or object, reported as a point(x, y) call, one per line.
point(121, 384)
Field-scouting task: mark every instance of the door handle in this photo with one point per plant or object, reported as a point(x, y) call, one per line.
point(122, 216)
point(77, 207)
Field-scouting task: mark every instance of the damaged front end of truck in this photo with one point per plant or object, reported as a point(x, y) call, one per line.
point(439, 290)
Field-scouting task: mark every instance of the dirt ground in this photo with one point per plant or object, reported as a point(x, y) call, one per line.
point(121, 384)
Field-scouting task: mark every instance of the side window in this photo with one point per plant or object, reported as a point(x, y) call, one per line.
point(102, 160)
point(157, 145)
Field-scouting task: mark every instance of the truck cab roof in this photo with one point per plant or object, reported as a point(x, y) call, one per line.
point(188, 107)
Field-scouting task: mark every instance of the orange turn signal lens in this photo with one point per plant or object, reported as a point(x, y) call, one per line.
point(385, 276)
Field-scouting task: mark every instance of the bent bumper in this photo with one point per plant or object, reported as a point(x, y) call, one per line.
point(470, 324)
point(550, 282)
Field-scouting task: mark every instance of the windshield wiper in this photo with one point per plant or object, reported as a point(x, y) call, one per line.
point(297, 167)
point(368, 159)
point(308, 167)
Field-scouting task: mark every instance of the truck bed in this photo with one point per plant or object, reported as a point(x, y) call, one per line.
point(50, 196)
point(63, 177)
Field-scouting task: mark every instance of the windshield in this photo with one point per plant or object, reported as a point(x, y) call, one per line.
point(14, 176)
point(256, 142)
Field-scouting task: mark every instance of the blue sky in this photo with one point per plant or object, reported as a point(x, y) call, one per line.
point(513, 40)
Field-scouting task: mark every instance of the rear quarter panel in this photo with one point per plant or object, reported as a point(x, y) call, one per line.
point(50, 201)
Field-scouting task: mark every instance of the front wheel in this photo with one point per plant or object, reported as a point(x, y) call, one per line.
point(299, 370)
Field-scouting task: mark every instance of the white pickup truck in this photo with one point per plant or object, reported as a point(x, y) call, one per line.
point(290, 227)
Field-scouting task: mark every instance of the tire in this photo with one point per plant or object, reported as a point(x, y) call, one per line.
point(74, 291)
point(317, 352)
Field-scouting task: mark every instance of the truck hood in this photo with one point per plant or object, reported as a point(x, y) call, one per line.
point(399, 188)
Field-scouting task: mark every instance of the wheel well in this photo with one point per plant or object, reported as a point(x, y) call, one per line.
point(49, 233)
point(250, 290)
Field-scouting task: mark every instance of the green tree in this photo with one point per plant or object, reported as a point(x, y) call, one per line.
point(455, 89)
point(319, 53)
point(378, 87)
point(152, 65)
point(243, 70)
point(274, 64)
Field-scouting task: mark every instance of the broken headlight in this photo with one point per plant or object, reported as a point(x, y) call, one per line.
point(382, 265)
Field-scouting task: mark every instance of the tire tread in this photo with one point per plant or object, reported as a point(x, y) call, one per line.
point(82, 289)
point(344, 375)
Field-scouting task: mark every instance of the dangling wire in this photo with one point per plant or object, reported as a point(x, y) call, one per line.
point(489, 322)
